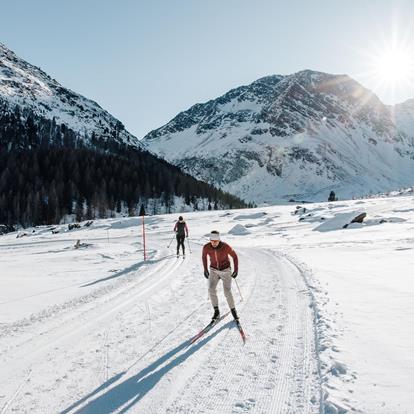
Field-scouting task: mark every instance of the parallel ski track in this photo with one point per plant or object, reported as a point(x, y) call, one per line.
point(193, 355)
point(276, 371)
point(19, 389)
point(90, 320)
point(86, 321)
point(118, 287)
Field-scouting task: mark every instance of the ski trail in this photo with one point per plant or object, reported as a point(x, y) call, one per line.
point(105, 292)
point(66, 350)
point(160, 377)
point(276, 371)
point(16, 393)
point(99, 311)
point(86, 319)
point(106, 357)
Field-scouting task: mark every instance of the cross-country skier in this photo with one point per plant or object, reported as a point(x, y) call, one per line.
point(181, 231)
point(219, 253)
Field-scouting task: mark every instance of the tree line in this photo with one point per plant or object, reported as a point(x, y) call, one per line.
point(48, 172)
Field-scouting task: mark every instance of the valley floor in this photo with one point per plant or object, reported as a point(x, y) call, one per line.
point(327, 313)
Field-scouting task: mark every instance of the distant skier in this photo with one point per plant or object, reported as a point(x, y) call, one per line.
point(219, 253)
point(181, 231)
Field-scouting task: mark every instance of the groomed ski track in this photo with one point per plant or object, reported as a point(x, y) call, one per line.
point(125, 348)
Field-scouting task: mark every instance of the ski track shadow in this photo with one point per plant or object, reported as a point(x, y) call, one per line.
point(132, 268)
point(133, 389)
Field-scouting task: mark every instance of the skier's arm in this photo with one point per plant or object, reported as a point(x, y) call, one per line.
point(175, 227)
point(233, 254)
point(204, 257)
point(186, 228)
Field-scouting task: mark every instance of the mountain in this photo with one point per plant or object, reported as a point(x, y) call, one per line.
point(63, 157)
point(29, 88)
point(293, 137)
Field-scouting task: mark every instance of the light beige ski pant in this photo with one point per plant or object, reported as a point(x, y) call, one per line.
point(213, 279)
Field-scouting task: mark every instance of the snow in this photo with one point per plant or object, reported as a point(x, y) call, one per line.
point(338, 221)
point(328, 315)
point(320, 139)
point(28, 86)
point(239, 230)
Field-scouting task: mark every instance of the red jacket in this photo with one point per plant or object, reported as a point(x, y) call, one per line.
point(219, 256)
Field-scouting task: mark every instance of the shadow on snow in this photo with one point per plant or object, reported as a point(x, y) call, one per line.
point(132, 268)
point(129, 392)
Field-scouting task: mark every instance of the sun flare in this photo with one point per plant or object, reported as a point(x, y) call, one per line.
point(394, 66)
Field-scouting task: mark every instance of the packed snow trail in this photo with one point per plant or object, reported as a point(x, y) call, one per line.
point(97, 327)
point(276, 371)
point(123, 346)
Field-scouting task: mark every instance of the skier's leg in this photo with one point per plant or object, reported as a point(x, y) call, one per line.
point(213, 280)
point(178, 244)
point(226, 277)
point(182, 244)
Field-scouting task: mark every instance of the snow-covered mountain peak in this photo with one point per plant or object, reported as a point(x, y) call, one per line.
point(294, 136)
point(29, 87)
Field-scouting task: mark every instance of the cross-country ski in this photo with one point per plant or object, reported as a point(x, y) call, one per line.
point(207, 328)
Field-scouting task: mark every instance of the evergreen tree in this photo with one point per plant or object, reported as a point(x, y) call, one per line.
point(47, 172)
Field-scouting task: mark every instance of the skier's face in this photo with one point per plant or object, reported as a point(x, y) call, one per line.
point(214, 243)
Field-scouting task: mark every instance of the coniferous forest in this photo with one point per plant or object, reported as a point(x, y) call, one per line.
point(47, 172)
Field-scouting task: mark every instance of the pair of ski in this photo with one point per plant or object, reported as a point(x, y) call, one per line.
point(213, 323)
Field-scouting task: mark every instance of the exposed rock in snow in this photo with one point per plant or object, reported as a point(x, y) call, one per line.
point(239, 230)
point(293, 137)
point(339, 221)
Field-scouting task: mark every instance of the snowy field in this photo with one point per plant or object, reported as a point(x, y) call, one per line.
point(328, 313)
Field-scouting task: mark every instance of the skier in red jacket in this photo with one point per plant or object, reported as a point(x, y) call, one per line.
point(219, 253)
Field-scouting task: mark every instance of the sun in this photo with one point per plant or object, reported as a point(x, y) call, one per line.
point(386, 62)
point(394, 66)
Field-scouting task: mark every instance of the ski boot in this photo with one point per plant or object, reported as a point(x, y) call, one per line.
point(216, 314)
point(234, 313)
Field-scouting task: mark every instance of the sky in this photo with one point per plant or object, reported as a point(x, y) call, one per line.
point(145, 61)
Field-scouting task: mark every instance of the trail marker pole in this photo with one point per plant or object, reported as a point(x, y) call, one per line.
point(142, 214)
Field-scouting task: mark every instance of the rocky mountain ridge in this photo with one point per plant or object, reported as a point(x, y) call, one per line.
point(29, 88)
point(296, 136)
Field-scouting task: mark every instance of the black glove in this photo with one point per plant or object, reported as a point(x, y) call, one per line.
point(206, 274)
point(234, 275)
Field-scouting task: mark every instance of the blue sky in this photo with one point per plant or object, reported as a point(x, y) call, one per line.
point(145, 61)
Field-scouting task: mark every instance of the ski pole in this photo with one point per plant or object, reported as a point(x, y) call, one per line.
point(149, 315)
point(188, 241)
point(239, 290)
point(169, 244)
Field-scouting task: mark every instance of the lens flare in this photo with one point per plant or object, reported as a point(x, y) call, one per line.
point(394, 66)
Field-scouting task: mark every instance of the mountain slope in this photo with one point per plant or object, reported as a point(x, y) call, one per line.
point(296, 136)
point(28, 87)
point(63, 157)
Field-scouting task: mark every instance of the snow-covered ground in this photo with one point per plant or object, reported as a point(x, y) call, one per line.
point(328, 312)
